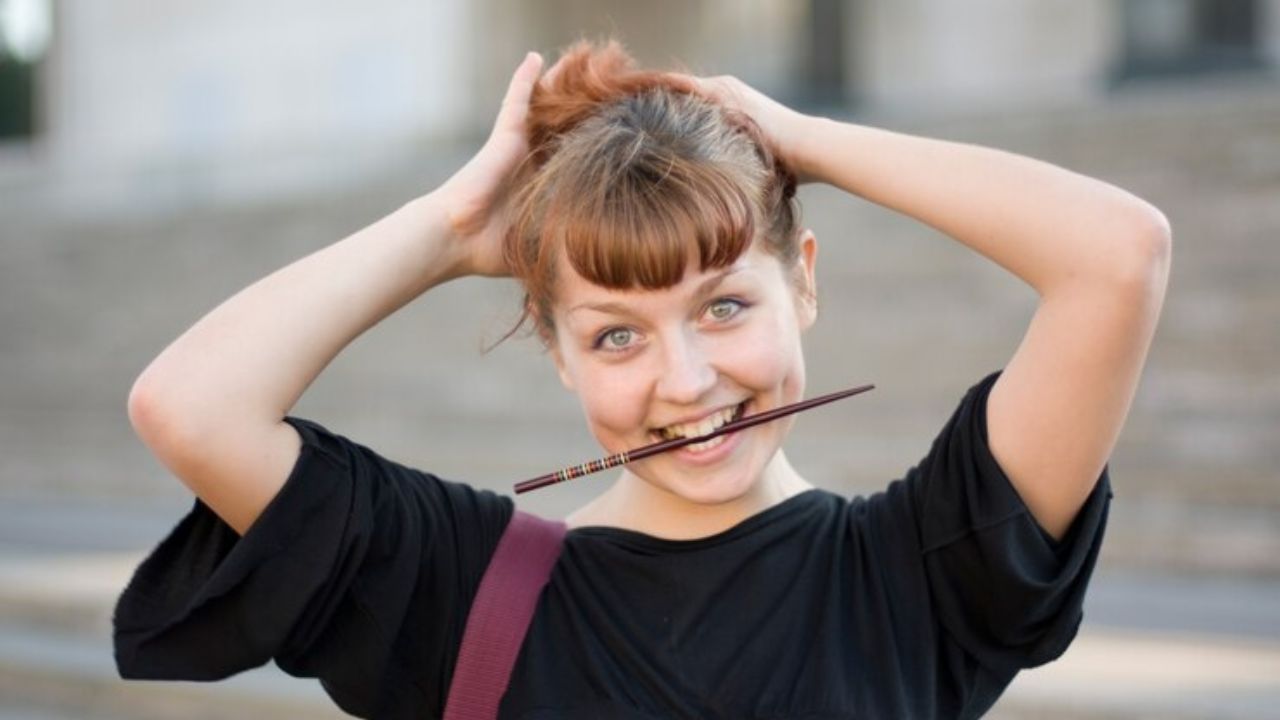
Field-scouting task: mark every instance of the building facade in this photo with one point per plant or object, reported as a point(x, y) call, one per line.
point(287, 92)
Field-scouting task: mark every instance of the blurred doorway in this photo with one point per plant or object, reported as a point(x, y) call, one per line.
point(1186, 37)
point(25, 28)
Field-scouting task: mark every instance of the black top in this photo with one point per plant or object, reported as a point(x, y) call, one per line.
point(921, 601)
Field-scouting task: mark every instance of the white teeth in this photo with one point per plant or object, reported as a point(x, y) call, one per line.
point(700, 428)
point(699, 447)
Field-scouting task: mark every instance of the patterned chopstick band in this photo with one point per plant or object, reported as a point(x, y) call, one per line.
point(593, 466)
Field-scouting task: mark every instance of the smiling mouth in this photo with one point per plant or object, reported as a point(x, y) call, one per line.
point(708, 426)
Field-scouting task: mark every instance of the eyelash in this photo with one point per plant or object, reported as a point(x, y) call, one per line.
point(599, 342)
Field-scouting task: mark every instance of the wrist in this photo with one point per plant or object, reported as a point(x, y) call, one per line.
point(807, 151)
point(429, 216)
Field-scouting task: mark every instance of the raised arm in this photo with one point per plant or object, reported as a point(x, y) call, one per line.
point(211, 405)
point(1097, 256)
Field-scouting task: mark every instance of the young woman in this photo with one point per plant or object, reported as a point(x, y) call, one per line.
point(651, 219)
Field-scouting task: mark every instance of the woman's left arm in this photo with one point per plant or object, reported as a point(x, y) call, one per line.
point(1097, 256)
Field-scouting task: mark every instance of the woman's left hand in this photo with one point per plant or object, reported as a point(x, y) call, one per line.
point(784, 129)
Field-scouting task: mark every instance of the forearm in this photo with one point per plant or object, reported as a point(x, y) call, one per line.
point(250, 359)
point(1047, 225)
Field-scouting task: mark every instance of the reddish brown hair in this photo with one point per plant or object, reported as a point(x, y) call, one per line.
point(630, 172)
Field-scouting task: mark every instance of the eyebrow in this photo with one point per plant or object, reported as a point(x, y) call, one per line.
point(706, 288)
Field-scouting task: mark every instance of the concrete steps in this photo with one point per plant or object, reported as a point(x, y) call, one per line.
point(902, 307)
point(85, 305)
point(56, 655)
point(75, 675)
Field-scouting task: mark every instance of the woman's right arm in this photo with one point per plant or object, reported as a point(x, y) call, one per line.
point(211, 405)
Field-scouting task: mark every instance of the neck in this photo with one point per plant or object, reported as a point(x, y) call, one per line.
point(634, 504)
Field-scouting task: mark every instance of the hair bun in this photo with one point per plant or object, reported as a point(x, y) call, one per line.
point(586, 77)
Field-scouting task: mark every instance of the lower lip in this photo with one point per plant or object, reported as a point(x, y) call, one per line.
point(710, 455)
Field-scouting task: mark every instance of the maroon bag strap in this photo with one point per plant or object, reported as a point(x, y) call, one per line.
point(499, 617)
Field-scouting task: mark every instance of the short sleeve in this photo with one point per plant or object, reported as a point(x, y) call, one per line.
point(1001, 586)
point(360, 572)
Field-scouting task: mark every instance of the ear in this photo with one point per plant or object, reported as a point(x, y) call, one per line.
point(806, 284)
point(566, 378)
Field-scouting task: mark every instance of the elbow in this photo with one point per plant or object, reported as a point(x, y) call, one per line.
point(152, 423)
point(138, 406)
point(1155, 236)
point(143, 415)
point(164, 433)
point(1144, 250)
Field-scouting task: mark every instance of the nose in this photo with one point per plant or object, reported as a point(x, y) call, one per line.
point(687, 372)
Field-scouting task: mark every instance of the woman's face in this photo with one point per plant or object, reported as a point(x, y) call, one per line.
point(653, 364)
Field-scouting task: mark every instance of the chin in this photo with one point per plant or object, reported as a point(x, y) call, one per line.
point(723, 483)
point(710, 493)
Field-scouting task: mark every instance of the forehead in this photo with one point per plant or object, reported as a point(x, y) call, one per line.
point(573, 291)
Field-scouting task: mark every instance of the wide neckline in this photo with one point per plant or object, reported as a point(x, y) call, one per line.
point(743, 527)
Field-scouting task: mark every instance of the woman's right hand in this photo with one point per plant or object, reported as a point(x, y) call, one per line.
point(474, 198)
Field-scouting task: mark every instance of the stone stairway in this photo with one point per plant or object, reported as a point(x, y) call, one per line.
point(57, 592)
point(86, 303)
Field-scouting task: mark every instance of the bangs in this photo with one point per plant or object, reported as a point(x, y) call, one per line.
point(640, 230)
point(633, 182)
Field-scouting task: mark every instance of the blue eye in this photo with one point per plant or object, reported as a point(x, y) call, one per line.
point(614, 339)
point(725, 308)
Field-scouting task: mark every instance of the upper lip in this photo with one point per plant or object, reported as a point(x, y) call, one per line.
point(699, 418)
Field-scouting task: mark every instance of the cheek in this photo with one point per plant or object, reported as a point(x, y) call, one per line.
point(767, 356)
point(613, 402)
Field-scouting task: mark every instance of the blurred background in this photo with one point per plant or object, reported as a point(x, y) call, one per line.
point(155, 158)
